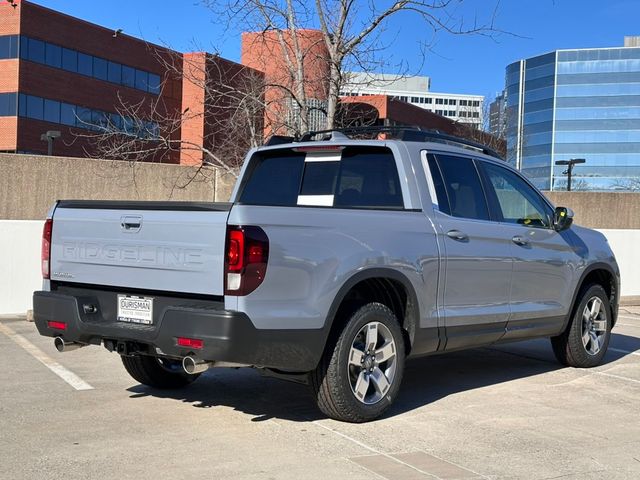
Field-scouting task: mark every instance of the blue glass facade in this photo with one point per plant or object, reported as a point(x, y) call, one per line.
point(576, 104)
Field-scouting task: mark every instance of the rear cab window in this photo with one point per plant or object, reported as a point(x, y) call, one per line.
point(348, 177)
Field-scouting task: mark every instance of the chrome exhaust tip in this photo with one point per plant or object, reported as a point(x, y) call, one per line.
point(63, 346)
point(192, 365)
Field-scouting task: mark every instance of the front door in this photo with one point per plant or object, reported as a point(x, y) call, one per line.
point(543, 258)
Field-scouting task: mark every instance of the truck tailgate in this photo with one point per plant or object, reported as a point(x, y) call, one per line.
point(166, 246)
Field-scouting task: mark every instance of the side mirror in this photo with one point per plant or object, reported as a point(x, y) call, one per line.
point(562, 218)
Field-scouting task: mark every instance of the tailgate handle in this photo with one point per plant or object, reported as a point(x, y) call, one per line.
point(131, 223)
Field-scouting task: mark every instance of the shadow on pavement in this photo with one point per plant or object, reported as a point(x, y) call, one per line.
point(426, 381)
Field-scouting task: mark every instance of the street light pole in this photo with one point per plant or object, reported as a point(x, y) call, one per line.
point(49, 137)
point(569, 170)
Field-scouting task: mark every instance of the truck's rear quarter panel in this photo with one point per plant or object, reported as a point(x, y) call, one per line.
point(313, 252)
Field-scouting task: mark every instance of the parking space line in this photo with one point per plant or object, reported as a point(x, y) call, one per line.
point(66, 375)
point(619, 377)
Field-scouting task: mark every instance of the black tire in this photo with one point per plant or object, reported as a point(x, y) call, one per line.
point(569, 347)
point(157, 372)
point(331, 381)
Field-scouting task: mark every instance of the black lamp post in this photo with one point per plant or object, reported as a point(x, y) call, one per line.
point(569, 170)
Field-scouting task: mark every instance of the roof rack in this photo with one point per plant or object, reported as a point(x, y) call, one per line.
point(412, 134)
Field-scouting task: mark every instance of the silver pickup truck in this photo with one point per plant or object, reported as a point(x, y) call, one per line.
point(334, 262)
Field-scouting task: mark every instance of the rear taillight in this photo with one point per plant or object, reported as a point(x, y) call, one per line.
point(45, 253)
point(247, 252)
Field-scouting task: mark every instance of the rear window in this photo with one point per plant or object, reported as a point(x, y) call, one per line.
point(356, 177)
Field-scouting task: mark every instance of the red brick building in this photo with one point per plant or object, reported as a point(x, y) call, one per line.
point(268, 52)
point(60, 73)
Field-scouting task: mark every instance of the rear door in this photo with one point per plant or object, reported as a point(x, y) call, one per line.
point(165, 246)
point(478, 264)
point(543, 258)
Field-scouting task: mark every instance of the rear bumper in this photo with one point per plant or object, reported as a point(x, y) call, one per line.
point(227, 336)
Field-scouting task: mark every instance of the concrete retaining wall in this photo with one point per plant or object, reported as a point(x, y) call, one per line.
point(29, 184)
point(20, 262)
point(611, 210)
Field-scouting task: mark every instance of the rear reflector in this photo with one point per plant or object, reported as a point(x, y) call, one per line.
point(190, 342)
point(45, 253)
point(57, 325)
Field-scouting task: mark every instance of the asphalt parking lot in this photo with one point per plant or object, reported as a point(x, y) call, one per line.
point(505, 412)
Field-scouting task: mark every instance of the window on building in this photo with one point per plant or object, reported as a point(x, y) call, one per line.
point(51, 111)
point(154, 83)
point(476, 103)
point(8, 104)
point(463, 103)
point(8, 46)
point(85, 64)
point(439, 101)
point(452, 113)
point(53, 55)
point(142, 80)
point(128, 76)
point(68, 114)
point(35, 107)
point(452, 101)
point(428, 100)
point(114, 72)
point(100, 68)
point(36, 51)
point(462, 114)
point(476, 114)
point(439, 112)
point(69, 60)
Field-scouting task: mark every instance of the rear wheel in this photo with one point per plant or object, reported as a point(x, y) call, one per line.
point(157, 372)
point(585, 341)
point(359, 376)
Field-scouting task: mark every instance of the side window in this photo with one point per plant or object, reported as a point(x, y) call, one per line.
point(463, 187)
point(438, 185)
point(517, 201)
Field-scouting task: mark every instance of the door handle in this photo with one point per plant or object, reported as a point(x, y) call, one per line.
point(458, 235)
point(520, 240)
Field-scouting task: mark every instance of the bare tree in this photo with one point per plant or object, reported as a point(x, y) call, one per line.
point(351, 31)
point(630, 184)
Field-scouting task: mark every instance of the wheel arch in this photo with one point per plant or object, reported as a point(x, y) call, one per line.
point(384, 285)
point(603, 274)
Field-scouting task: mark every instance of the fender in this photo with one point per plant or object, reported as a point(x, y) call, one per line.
point(616, 283)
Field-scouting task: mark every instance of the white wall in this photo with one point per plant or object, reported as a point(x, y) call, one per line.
point(626, 247)
point(20, 262)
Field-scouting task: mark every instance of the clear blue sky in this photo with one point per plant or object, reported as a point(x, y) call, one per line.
point(460, 64)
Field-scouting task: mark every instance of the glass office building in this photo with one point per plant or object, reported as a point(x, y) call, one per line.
point(582, 103)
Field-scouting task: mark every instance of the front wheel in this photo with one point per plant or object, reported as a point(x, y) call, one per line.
point(359, 375)
point(584, 343)
point(157, 372)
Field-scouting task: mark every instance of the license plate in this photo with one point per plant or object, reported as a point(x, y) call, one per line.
point(135, 309)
